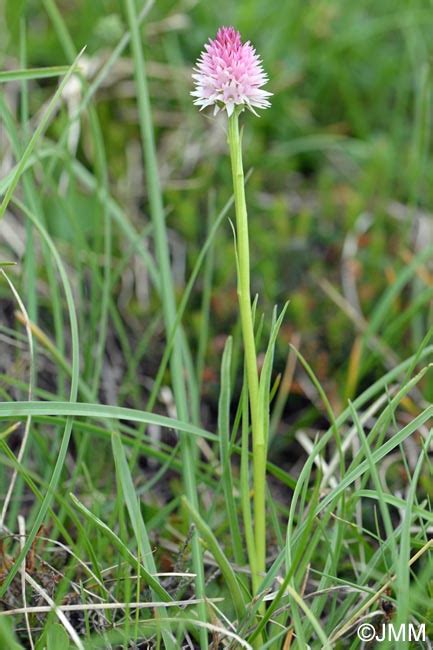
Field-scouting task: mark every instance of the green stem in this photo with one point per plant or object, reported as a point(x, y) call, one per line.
point(244, 295)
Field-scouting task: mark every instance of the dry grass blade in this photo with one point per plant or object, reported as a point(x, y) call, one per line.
point(370, 601)
point(53, 607)
point(22, 532)
point(84, 607)
point(21, 451)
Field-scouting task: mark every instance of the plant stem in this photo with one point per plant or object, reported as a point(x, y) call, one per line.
point(244, 295)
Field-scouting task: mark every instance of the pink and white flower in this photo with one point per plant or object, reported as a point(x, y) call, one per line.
point(229, 74)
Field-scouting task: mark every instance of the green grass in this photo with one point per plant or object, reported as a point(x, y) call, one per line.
point(124, 421)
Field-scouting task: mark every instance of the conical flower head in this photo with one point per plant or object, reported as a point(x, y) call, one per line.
point(228, 74)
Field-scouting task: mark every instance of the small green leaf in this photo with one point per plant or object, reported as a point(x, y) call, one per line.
point(7, 636)
point(57, 638)
point(14, 10)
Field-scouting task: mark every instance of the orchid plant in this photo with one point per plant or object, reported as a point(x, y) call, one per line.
point(229, 77)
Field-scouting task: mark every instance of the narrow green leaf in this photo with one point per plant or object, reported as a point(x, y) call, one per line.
point(224, 443)
point(266, 374)
point(152, 582)
point(100, 411)
point(36, 135)
point(7, 636)
point(14, 10)
point(57, 470)
point(57, 637)
point(33, 73)
point(220, 558)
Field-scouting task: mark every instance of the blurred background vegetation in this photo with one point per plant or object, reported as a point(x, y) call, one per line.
point(339, 196)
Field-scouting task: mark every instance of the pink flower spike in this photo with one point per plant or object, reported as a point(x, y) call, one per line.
point(229, 74)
